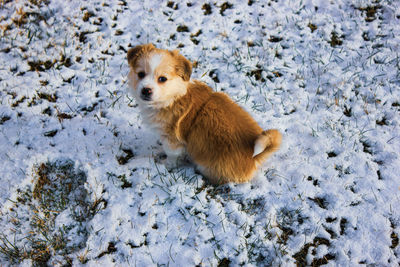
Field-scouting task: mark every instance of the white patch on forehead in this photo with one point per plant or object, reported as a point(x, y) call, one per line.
point(154, 61)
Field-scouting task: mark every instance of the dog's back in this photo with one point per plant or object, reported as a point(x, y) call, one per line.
point(220, 137)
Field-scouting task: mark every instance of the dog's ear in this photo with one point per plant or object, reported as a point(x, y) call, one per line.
point(135, 52)
point(183, 67)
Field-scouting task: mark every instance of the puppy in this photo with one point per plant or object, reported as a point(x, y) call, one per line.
point(222, 139)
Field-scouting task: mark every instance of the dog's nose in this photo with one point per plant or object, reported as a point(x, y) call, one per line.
point(146, 93)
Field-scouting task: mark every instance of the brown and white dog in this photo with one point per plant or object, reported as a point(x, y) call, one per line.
point(222, 139)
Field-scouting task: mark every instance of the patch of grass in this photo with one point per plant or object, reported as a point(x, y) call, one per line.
point(370, 12)
point(287, 220)
point(332, 154)
point(40, 65)
point(122, 178)
point(335, 40)
point(3, 119)
point(40, 96)
point(51, 133)
point(44, 82)
point(207, 9)
point(39, 2)
point(347, 111)
point(87, 15)
point(257, 74)
point(312, 27)
point(58, 187)
point(110, 249)
point(253, 206)
point(213, 75)
point(45, 65)
point(63, 116)
point(82, 36)
point(19, 101)
point(366, 146)
point(182, 28)
point(257, 253)
point(395, 240)
point(173, 5)
point(193, 35)
point(119, 32)
point(49, 97)
point(224, 7)
point(24, 17)
point(383, 121)
point(122, 160)
point(301, 256)
point(225, 262)
point(320, 201)
point(89, 108)
point(63, 61)
point(343, 225)
point(275, 39)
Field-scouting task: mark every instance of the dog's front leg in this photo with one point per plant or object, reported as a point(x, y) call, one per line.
point(175, 154)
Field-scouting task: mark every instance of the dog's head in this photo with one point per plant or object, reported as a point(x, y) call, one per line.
point(157, 76)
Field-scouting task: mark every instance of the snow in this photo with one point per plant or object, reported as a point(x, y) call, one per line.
point(325, 73)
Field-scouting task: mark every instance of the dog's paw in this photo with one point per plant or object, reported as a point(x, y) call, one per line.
point(186, 160)
point(160, 158)
point(171, 163)
point(197, 170)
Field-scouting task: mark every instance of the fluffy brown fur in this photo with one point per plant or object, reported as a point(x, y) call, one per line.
point(217, 134)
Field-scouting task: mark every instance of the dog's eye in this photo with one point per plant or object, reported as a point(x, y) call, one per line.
point(141, 74)
point(162, 79)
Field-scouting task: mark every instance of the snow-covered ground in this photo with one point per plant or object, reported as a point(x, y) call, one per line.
point(79, 181)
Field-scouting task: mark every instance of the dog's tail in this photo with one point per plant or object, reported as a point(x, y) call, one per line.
point(266, 143)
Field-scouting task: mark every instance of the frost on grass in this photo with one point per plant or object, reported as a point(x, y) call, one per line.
point(47, 221)
point(325, 73)
point(175, 218)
